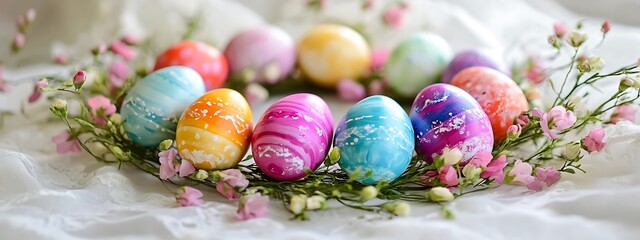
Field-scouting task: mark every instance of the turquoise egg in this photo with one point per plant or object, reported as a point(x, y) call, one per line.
point(151, 109)
point(416, 62)
point(375, 139)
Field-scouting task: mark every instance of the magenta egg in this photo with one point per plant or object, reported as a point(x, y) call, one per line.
point(473, 58)
point(293, 134)
point(445, 116)
point(263, 54)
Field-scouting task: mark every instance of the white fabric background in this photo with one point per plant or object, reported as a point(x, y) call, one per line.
point(45, 195)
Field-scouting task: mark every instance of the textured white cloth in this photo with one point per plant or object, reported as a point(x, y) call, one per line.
point(45, 195)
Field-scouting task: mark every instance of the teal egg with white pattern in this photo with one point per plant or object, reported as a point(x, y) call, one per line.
point(375, 140)
point(151, 109)
point(416, 62)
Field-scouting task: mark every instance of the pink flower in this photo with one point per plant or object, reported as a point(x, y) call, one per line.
point(448, 176)
point(37, 90)
point(624, 112)
point(536, 74)
point(252, 206)
point(481, 159)
point(66, 143)
point(522, 120)
point(368, 4)
point(606, 26)
point(18, 41)
point(30, 15)
point(118, 73)
point(376, 87)
point(186, 168)
point(100, 107)
point(594, 141)
point(189, 197)
point(548, 175)
point(4, 86)
point(123, 50)
point(60, 58)
point(514, 130)
point(535, 185)
point(558, 118)
point(255, 94)
point(167, 159)
point(230, 182)
point(560, 29)
point(350, 90)
point(394, 16)
point(100, 49)
point(79, 78)
point(521, 173)
point(379, 58)
point(495, 169)
point(130, 39)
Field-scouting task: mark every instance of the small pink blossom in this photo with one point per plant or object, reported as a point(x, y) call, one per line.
point(18, 41)
point(350, 90)
point(558, 118)
point(30, 16)
point(130, 39)
point(535, 185)
point(448, 176)
point(66, 143)
point(79, 78)
point(230, 181)
point(368, 4)
point(376, 87)
point(536, 74)
point(186, 168)
point(394, 16)
point(606, 26)
point(560, 29)
point(594, 141)
point(255, 94)
point(100, 107)
point(514, 130)
point(37, 90)
point(625, 112)
point(548, 175)
point(252, 206)
point(522, 120)
point(118, 73)
point(189, 196)
point(495, 169)
point(167, 160)
point(379, 58)
point(123, 50)
point(521, 173)
point(60, 58)
point(481, 159)
point(100, 49)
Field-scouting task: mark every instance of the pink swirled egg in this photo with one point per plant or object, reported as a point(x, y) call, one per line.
point(263, 54)
point(293, 134)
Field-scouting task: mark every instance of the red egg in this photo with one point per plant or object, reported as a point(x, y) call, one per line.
point(201, 57)
point(500, 98)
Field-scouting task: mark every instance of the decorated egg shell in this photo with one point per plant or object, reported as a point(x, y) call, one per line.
point(472, 58)
point(375, 136)
point(264, 54)
point(417, 62)
point(151, 108)
point(293, 134)
point(214, 132)
point(500, 98)
point(330, 53)
point(205, 59)
point(445, 116)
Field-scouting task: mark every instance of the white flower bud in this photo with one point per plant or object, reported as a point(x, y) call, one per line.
point(60, 104)
point(451, 156)
point(576, 38)
point(401, 209)
point(115, 118)
point(571, 151)
point(316, 202)
point(471, 172)
point(271, 72)
point(440, 194)
point(201, 174)
point(368, 192)
point(595, 63)
point(297, 203)
point(166, 144)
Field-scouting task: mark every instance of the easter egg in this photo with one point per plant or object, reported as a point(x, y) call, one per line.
point(445, 116)
point(264, 55)
point(214, 131)
point(500, 98)
point(472, 58)
point(293, 134)
point(417, 62)
point(205, 59)
point(151, 108)
point(330, 53)
point(375, 140)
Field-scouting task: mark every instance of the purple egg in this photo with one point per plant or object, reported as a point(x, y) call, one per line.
point(472, 58)
point(293, 134)
point(445, 116)
point(264, 54)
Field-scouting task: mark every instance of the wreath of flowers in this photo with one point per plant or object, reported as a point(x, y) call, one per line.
point(95, 126)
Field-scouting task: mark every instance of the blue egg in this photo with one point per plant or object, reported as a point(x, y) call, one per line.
point(151, 109)
point(375, 139)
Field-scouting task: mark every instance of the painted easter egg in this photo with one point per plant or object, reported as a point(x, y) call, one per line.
point(330, 53)
point(375, 139)
point(472, 58)
point(264, 54)
point(417, 62)
point(293, 134)
point(214, 131)
point(445, 116)
point(501, 98)
point(151, 108)
point(205, 59)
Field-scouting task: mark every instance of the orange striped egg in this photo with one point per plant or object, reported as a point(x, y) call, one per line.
point(214, 132)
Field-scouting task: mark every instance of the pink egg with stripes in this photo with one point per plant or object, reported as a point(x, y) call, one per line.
point(293, 134)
